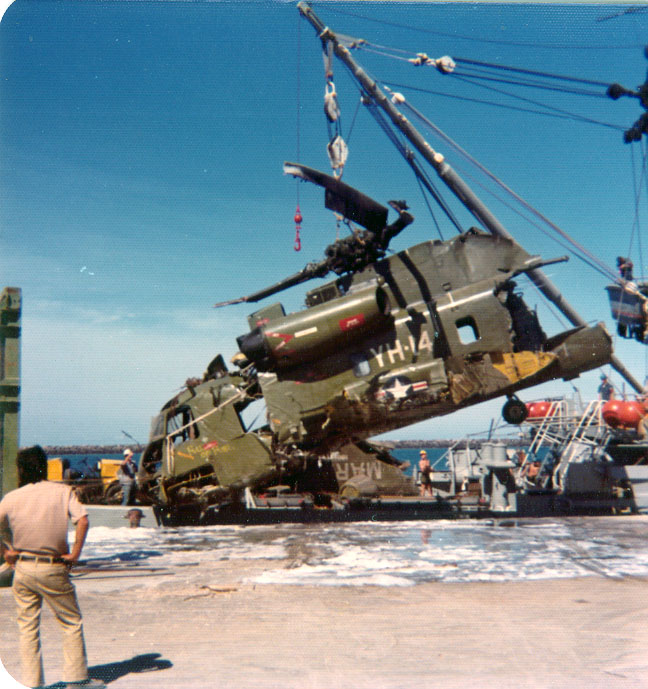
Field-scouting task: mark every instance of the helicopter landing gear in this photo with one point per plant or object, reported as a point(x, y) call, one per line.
point(514, 411)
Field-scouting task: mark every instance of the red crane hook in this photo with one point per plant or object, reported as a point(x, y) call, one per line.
point(298, 220)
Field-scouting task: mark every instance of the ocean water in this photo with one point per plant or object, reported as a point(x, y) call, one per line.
point(436, 455)
point(392, 554)
point(87, 463)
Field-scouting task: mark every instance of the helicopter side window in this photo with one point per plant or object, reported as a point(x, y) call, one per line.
point(361, 367)
point(467, 329)
point(181, 426)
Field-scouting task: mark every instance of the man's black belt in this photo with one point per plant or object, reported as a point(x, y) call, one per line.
point(52, 559)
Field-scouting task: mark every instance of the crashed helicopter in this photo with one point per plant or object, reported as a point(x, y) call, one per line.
point(393, 340)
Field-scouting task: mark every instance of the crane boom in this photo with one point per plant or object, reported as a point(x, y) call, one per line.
point(450, 178)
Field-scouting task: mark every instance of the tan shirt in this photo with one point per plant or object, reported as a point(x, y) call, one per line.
point(37, 515)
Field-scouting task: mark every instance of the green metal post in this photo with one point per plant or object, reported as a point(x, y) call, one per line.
point(10, 307)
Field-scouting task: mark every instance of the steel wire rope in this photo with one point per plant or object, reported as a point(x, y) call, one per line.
point(564, 244)
point(602, 268)
point(384, 52)
point(420, 174)
point(637, 184)
point(604, 271)
point(557, 115)
point(429, 207)
point(531, 222)
point(541, 229)
point(559, 111)
point(491, 41)
point(481, 70)
point(639, 243)
point(298, 87)
point(409, 157)
point(485, 75)
point(638, 189)
point(531, 72)
point(629, 10)
point(421, 177)
point(576, 246)
point(353, 120)
point(532, 84)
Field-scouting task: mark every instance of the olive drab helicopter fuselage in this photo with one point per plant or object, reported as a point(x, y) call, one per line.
point(394, 340)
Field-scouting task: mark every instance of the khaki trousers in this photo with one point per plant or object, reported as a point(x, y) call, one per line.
point(33, 582)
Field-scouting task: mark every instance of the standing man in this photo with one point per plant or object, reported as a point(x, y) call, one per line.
point(37, 516)
point(424, 473)
point(605, 389)
point(126, 475)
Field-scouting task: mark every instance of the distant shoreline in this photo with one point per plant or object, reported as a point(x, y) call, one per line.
point(53, 450)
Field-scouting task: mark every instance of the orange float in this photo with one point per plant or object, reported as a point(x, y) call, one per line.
point(623, 413)
point(538, 410)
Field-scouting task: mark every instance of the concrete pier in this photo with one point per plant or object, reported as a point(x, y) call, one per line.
point(208, 627)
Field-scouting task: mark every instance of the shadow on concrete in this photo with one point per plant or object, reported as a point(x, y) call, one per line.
point(147, 662)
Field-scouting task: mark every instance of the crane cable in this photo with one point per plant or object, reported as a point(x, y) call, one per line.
point(535, 224)
point(298, 216)
point(490, 41)
point(479, 70)
point(421, 177)
point(556, 112)
point(575, 245)
point(564, 114)
point(638, 179)
point(530, 84)
point(423, 59)
point(530, 72)
point(486, 70)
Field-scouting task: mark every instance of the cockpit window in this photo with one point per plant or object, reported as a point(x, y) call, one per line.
point(157, 426)
point(181, 425)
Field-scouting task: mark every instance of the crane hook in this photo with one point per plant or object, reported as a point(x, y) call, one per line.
point(298, 220)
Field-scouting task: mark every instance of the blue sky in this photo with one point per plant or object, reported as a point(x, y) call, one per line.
point(141, 151)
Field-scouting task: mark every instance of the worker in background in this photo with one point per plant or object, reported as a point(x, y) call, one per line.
point(126, 475)
point(625, 267)
point(605, 389)
point(425, 471)
point(134, 516)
